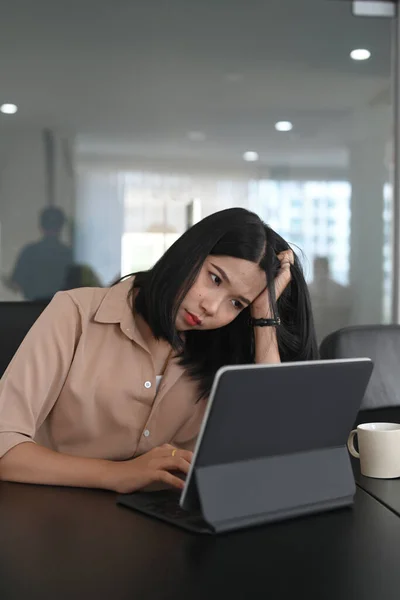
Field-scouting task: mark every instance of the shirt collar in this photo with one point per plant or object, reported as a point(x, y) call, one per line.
point(116, 307)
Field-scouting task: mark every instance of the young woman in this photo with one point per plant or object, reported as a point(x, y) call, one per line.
point(109, 387)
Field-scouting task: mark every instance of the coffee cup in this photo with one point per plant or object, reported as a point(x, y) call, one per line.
point(379, 449)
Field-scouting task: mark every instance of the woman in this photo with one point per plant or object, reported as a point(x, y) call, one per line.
point(109, 387)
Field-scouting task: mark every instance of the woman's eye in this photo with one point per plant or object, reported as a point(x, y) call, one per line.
point(238, 305)
point(217, 280)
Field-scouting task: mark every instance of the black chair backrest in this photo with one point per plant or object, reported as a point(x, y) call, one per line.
point(16, 318)
point(381, 343)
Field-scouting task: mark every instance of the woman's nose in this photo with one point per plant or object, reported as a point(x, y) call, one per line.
point(210, 305)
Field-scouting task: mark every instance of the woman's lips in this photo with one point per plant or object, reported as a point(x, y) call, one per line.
point(191, 319)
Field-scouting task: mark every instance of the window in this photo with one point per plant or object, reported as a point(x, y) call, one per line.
point(297, 203)
point(296, 224)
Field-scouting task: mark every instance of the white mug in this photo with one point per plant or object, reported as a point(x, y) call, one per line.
point(379, 445)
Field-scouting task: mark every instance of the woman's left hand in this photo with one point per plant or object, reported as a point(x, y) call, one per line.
point(260, 308)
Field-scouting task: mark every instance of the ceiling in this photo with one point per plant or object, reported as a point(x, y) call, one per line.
point(132, 78)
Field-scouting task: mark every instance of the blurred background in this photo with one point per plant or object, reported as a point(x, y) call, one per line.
point(122, 123)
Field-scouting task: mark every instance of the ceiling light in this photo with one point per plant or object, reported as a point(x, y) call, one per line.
point(360, 54)
point(196, 136)
point(8, 109)
point(250, 156)
point(374, 8)
point(284, 126)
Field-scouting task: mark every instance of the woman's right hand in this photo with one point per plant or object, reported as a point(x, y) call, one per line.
point(153, 467)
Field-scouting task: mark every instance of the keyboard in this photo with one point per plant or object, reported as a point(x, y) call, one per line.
point(165, 506)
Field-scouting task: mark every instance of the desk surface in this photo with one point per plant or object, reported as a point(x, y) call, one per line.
point(69, 543)
point(387, 491)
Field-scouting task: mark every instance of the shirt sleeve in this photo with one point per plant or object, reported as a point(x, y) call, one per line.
point(33, 380)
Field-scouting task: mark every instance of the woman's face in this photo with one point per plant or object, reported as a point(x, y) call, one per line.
point(223, 288)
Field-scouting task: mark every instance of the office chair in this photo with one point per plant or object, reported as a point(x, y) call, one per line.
point(16, 318)
point(381, 343)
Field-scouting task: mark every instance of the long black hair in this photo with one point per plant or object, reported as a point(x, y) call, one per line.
point(238, 233)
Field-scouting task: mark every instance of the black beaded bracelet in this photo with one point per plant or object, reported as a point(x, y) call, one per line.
point(265, 322)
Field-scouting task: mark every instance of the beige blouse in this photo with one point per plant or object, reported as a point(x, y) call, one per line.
point(83, 383)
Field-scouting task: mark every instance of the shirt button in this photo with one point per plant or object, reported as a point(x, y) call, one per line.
point(147, 384)
point(146, 433)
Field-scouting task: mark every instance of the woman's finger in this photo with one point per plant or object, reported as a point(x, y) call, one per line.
point(286, 256)
point(284, 275)
point(169, 450)
point(286, 264)
point(174, 463)
point(291, 257)
point(185, 454)
point(169, 479)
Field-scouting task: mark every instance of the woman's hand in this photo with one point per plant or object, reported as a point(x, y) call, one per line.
point(153, 467)
point(260, 308)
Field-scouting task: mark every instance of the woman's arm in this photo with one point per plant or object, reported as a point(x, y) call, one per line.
point(266, 341)
point(30, 463)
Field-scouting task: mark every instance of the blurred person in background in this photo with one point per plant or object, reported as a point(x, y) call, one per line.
point(41, 267)
point(330, 300)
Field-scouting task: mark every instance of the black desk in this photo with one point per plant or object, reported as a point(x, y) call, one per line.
point(68, 543)
point(386, 491)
